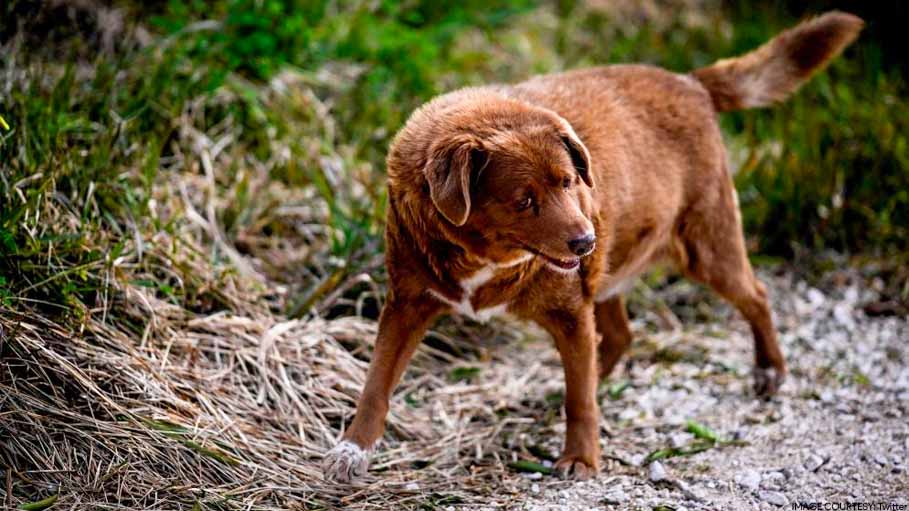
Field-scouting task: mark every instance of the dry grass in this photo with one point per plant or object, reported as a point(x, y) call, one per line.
point(150, 404)
point(234, 412)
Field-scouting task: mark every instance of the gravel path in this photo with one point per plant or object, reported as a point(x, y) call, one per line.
point(836, 433)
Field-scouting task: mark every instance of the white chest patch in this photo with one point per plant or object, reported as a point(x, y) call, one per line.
point(471, 284)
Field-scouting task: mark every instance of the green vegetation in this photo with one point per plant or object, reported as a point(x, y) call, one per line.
point(704, 439)
point(158, 151)
point(530, 466)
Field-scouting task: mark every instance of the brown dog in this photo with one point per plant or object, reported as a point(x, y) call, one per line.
point(545, 199)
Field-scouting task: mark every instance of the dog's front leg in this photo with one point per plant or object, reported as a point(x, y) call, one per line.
point(574, 333)
point(401, 327)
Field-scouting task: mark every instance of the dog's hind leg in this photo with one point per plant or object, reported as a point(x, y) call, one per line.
point(710, 248)
point(615, 333)
point(401, 329)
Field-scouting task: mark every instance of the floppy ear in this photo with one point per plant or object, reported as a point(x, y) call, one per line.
point(580, 157)
point(448, 172)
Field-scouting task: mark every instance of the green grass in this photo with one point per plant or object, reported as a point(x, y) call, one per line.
point(98, 139)
point(839, 176)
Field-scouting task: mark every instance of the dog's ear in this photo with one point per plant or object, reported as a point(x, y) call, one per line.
point(580, 157)
point(453, 163)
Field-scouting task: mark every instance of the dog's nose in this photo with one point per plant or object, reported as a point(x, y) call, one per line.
point(583, 245)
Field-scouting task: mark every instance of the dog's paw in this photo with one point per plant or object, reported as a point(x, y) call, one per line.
point(768, 380)
point(573, 467)
point(345, 462)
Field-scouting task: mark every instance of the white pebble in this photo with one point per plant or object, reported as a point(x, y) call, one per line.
point(750, 479)
point(657, 472)
point(773, 497)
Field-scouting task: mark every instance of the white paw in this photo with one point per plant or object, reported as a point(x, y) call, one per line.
point(768, 380)
point(345, 462)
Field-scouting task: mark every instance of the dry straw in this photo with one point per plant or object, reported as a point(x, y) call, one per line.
point(234, 411)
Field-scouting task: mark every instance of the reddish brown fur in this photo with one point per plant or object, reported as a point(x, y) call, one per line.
point(631, 153)
point(778, 68)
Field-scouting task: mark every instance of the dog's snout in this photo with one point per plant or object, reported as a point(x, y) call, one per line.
point(583, 245)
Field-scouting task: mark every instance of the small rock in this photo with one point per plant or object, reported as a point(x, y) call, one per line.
point(412, 487)
point(547, 463)
point(534, 475)
point(842, 313)
point(628, 414)
point(687, 491)
point(774, 497)
point(615, 497)
point(774, 479)
point(750, 479)
point(678, 440)
point(815, 297)
point(813, 463)
point(657, 472)
point(851, 295)
point(535, 488)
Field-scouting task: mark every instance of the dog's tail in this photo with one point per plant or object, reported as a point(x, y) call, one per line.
point(775, 70)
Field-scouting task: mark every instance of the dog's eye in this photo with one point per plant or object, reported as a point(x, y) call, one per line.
point(525, 203)
point(566, 182)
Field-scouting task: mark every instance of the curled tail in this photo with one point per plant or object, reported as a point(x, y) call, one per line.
point(775, 70)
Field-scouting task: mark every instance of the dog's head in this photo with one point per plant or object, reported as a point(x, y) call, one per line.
point(515, 180)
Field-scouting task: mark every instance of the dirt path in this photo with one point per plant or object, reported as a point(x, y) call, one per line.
point(837, 433)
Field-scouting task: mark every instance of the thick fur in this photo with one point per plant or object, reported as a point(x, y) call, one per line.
point(544, 200)
point(775, 70)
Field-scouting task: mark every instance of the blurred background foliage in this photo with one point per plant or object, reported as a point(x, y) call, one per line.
point(113, 103)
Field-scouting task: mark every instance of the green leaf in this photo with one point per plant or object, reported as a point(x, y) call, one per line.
point(672, 452)
point(616, 389)
point(463, 373)
point(541, 452)
point(701, 431)
point(529, 466)
point(40, 504)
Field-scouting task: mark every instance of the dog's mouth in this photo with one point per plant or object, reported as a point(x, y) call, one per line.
point(563, 264)
point(558, 264)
